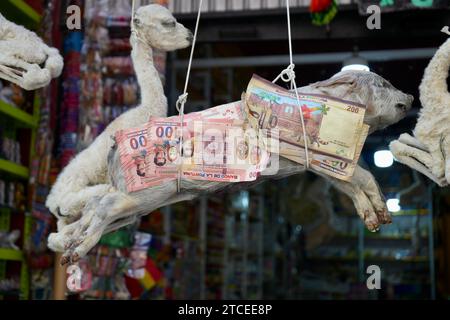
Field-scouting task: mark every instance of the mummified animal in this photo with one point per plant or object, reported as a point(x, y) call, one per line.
point(428, 150)
point(115, 208)
point(155, 27)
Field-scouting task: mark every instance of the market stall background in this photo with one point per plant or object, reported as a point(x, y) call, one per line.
point(287, 239)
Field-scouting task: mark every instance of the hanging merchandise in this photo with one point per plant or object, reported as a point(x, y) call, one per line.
point(322, 11)
point(429, 130)
point(139, 277)
point(151, 154)
point(105, 268)
point(91, 115)
point(263, 192)
point(71, 96)
point(151, 103)
point(153, 150)
point(108, 88)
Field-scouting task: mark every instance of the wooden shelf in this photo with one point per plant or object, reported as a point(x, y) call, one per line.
point(24, 118)
point(14, 168)
point(20, 12)
point(375, 237)
point(391, 259)
point(331, 258)
point(379, 259)
point(411, 212)
point(185, 237)
point(11, 254)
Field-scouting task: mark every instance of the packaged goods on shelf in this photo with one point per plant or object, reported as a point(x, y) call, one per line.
point(10, 150)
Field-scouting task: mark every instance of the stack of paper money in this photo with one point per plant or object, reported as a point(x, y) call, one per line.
point(217, 146)
point(335, 131)
point(235, 142)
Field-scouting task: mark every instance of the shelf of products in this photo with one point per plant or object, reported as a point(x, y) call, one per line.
point(15, 230)
point(243, 245)
point(19, 118)
point(23, 118)
point(401, 250)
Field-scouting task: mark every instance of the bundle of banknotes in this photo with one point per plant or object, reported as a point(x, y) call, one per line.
point(335, 131)
point(217, 145)
point(241, 140)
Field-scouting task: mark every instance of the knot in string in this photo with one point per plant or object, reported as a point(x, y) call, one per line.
point(287, 75)
point(180, 108)
point(181, 102)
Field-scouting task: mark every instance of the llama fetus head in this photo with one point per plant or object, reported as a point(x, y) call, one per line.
point(385, 104)
point(156, 26)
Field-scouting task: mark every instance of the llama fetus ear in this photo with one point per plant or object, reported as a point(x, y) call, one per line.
point(341, 78)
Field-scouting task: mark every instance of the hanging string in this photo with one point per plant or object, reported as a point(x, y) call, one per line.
point(288, 75)
point(133, 5)
point(181, 101)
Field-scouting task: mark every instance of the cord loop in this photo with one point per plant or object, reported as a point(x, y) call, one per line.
point(181, 102)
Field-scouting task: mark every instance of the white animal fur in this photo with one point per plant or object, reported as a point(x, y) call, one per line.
point(107, 212)
point(428, 150)
point(21, 53)
point(155, 27)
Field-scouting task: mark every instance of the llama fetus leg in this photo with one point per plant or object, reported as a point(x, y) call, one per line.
point(97, 215)
point(74, 202)
point(411, 156)
point(413, 142)
point(365, 210)
point(69, 234)
point(367, 183)
point(31, 78)
point(362, 204)
point(401, 148)
point(8, 73)
point(122, 222)
point(104, 215)
point(58, 241)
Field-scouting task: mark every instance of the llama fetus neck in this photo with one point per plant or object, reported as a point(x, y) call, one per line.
point(433, 89)
point(153, 100)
